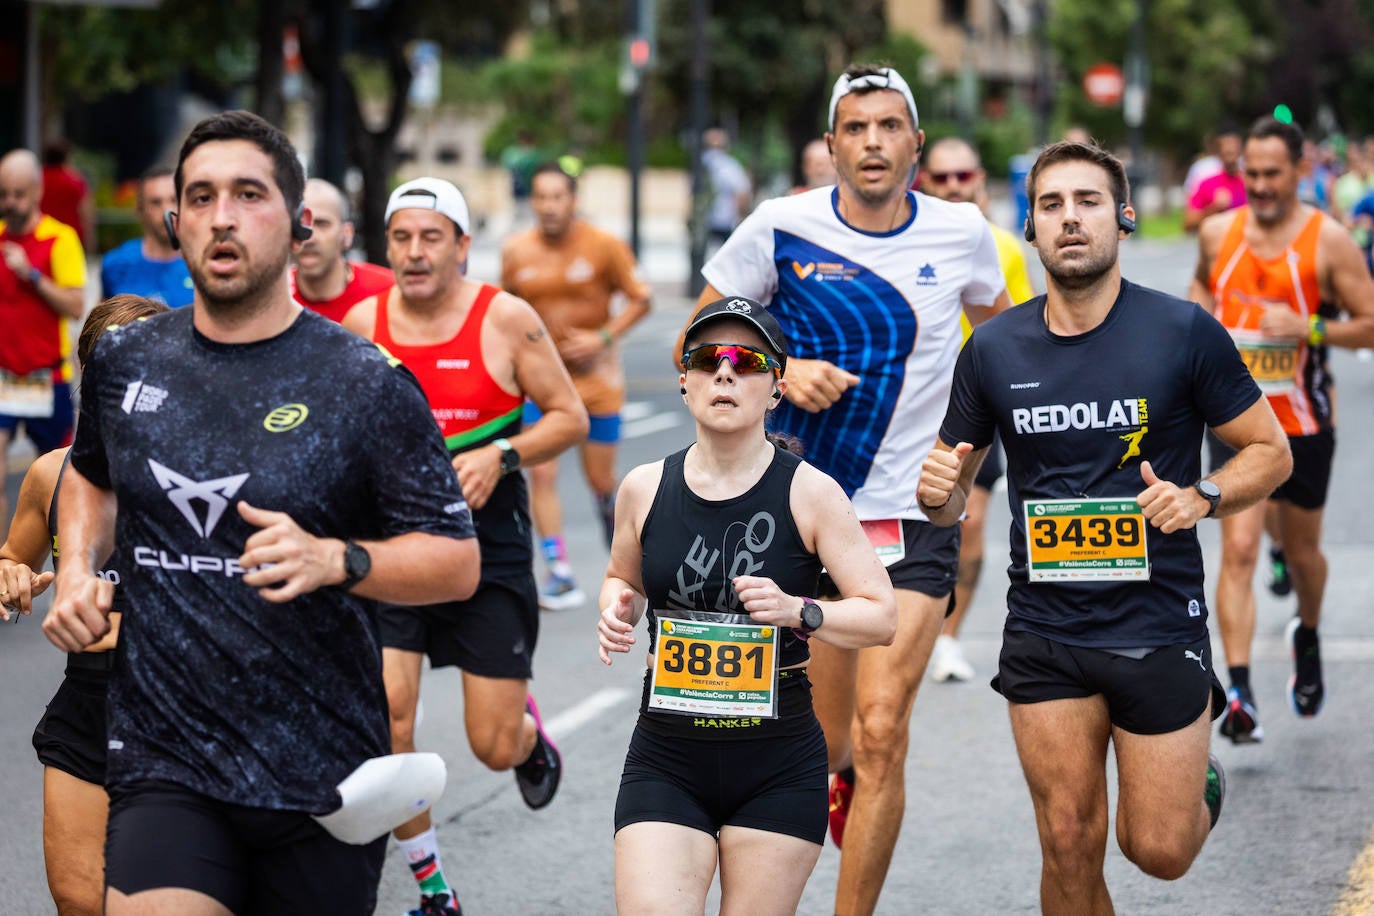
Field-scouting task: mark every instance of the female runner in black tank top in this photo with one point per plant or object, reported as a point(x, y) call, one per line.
point(733, 530)
point(70, 738)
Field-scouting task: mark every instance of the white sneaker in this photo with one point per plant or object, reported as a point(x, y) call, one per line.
point(947, 662)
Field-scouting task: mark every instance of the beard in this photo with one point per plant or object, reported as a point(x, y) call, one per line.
point(242, 295)
point(1080, 274)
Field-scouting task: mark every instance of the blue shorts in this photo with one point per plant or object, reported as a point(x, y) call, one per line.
point(47, 433)
point(605, 428)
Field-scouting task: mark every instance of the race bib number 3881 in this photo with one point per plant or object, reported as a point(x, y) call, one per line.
point(1086, 540)
point(715, 669)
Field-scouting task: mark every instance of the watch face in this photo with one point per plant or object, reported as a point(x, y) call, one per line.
point(811, 615)
point(1208, 489)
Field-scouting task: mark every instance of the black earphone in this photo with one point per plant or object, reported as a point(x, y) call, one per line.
point(683, 389)
point(299, 230)
point(776, 394)
point(1123, 222)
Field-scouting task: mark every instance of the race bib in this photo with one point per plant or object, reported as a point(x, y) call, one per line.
point(1272, 363)
point(26, 395)
point(885, 534)
point(1086, 540)
point(715, 669)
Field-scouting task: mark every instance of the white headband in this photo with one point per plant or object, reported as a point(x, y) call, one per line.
point(886, 78)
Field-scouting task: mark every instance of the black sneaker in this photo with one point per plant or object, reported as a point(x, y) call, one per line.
point(1215, 792)
point(1305, 689)
point(1240, 722)
point(438, 905)
point(539, 776)
point(1279, 583)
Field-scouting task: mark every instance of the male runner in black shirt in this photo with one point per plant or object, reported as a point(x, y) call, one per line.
point(1101, 390)
point(274, 477)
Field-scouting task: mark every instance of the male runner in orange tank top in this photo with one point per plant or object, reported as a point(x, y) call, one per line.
point(568, 270)
point(478, 353)
point(1277, 274)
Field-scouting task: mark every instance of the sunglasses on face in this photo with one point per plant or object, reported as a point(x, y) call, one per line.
point(963, 177)
point(707, 357)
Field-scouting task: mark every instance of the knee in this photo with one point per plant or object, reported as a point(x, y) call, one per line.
point(1073, 841)
point(1240, 552)
point(401, 710)
point(880, 738)
point(498, 751)
point(1157, 856)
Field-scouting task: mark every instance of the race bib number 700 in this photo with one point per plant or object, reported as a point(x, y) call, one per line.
point(1086, 540)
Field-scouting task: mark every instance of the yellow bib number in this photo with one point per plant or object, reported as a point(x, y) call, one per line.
point(1086, 540)
point(715, 669)
point(1272, 363)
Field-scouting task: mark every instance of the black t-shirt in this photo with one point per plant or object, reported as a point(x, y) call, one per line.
point(1077, 416)
point(258, 704)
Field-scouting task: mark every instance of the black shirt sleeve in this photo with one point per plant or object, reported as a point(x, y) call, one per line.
point(968, 418)
point(88, 447)
point(1223, 387)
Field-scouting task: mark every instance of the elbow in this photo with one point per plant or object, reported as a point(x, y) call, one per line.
point(888, 632)
point(1283, 464)
point(465, 561)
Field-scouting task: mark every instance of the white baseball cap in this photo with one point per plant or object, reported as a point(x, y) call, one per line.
point(885, 78)
point(430, 194)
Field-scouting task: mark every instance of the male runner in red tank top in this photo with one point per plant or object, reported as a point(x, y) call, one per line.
point(478, 353)
point(323, 279)
point(1277, 274)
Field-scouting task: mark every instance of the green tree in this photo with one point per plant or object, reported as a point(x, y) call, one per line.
point(1207, 64)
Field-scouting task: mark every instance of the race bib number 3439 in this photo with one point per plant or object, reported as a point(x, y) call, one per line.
point(715, 669)
point(1086, 540)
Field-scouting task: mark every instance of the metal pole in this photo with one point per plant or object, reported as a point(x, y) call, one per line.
point(700, 88)
point(1044, 95)
point(635, 122)
point(1137, 94)
point(33, 93)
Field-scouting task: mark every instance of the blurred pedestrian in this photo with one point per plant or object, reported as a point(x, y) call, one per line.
point(149, 266)
point(42, 284)
point(731, 189)
point(817, 168)
point(323, 279)
point(67, 195)
point(1220, 192)
point(570, 271)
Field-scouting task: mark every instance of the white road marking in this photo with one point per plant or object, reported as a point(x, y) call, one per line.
point(570, 720)
point(654, 423)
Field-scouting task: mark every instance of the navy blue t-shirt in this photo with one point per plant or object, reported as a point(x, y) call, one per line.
point(258, 704)
point(1077, 416)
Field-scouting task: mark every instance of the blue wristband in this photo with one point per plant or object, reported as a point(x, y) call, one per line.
point(34, 276)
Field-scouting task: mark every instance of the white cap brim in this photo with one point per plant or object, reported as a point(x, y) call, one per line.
point(430, 194)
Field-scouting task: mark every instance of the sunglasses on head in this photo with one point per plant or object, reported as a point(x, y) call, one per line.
point(963, 177)
point(707, 357)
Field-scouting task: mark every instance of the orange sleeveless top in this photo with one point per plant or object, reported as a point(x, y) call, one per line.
point(469, 406)
point(1291, 373)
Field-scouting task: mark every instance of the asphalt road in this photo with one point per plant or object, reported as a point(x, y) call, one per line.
point(1298, 813)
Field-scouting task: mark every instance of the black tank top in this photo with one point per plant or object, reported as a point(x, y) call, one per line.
point(693, 548)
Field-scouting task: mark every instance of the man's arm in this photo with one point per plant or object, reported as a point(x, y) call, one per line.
point(411, 568)
point(1353, 289)
point(27, 544)
point(79, 615)
point(977, 314)
point(66, 300)
point(1208, 242)
point(1262, 462)
point(947, 476)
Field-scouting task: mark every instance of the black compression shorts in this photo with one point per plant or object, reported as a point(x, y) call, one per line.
point(930, 565)
point(1160, 693)
point(252, 860)
point(492, 634)
point(778, 784)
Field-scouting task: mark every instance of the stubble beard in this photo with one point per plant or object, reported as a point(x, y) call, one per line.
point(239, 297)
point(1080, 275)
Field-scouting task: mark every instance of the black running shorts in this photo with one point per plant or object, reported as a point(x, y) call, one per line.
point(252, 860)
point(776, 783)
point(72, 734)
point(1313, 455)
point(492, 634)
point(930, 566)
point(1163, 692)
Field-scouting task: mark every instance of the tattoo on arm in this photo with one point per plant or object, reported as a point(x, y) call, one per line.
point(536, 335)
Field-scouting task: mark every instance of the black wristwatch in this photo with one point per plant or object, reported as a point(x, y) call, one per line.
point(357, 564)
point(510, 458)
point(811, 616)
point(1210, 492)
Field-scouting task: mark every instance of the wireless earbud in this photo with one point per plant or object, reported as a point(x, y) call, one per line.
point(683, 389)
point(169, 222)
point(299, 230)
point(776, 394)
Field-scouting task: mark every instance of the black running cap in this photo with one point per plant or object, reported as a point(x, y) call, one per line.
point(746, 310)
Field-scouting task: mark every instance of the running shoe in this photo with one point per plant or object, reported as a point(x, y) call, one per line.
point(539, 776)
point(841, 793)
point(1240, 722)
point(1279, 583)
point(947, 661)
point(1305, 689)
point(1215, 792)
point(438, 905)
point(560, 593)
